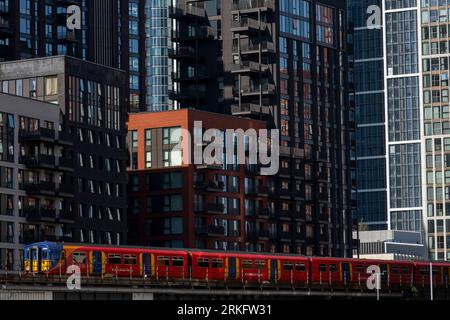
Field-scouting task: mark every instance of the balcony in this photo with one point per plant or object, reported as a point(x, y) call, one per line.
point(5, 26)
point(40, 161)
point(190, 94)
point(254, 5)
point(41, 188)
point(258, 235)
point(210, 186)
point(257, 90)
point(263, 213)
point(39, 135)
point(65, 139)
point(285, 193)
point(211, 209)
point(201, 33)
point(66, 191)
point(211, 231)
point(285, 214)
point(183, 53)
point(66, 217)
point(42, 214)
point(254, 48)
point(246, 67)
point(247, 25)
point(249, 109)
point(186, 77)
point(65, 164)
point(186, 12)
point(286, 236)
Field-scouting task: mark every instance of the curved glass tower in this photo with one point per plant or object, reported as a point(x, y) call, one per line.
point(158, 64)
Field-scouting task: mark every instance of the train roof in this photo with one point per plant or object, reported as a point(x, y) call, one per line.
point(241, 253)
point(169, 249)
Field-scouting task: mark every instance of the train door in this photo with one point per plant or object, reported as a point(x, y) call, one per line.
point(97, 263)
point(273, 270)
point(232, 268)
point(146, 264)
point(384, 275)
point(346, 275)
point(35, 260)
point(27, 259)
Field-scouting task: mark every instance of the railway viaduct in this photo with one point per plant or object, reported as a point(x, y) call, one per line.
point(14, 286)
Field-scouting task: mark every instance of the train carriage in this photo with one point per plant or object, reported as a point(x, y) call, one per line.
point(159, 264)
point(441, 274)
point(331, 272)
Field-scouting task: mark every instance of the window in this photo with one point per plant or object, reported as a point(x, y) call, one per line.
point(79, 258)
point(163, 261)
point(260, 265)
point(288, 266)
point(247, 264)
point(323, 268)
point(217, 263)
point(129, 259)
point(300, 267)
point(333, 268)
point(203, 263)
point(114, 259)
point(51, 86)
point(177, 261)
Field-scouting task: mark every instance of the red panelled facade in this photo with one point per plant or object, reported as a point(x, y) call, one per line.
point(194, 206)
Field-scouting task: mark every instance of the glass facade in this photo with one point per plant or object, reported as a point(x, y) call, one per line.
point(435, 18)
point(403, 115)
point(158, 64)
point(370, 118)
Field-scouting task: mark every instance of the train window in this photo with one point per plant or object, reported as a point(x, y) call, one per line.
point(323, 268)
point(247, 264)
point(163, 261)
point(260, 264)
point(300, 267)
point(406, 270)
point(178, 261)
point(114, 259)
point(129, 259)
point(360, 269)
point(333, 268)
point(395, 270)
point(217, 263)
point(203, 263)
point(79, 257)
point(288, 266)
point(44, 254)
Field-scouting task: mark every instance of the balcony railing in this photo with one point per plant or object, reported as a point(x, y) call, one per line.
point(41, 187)
point(249, 47)
point(247, 23)
point(253, 4)
point(38, 161)
point(39, 134)
point(202, 32)
point(39, 214)
point(182, 52)
point(186, 10)
point(211, 231)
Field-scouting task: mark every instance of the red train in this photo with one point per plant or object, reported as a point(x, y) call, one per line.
point(228, 267)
